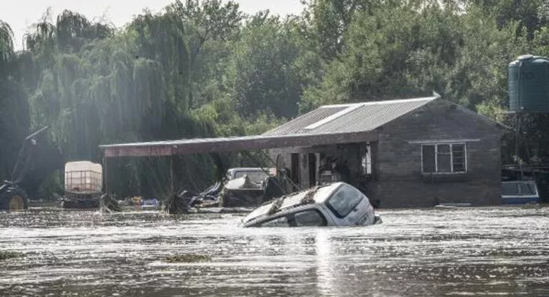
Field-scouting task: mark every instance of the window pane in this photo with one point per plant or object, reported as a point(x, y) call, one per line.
point(344, 200)
point(444, 163)
point(444, 158)
point(254, 176)
point(509, 189)
point(458, 148)
point(443, 148)
point(428, 158)
point(458, 152)
point(309, 218)
point(278, 222)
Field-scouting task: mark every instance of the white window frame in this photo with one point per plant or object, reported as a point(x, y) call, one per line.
point(451, 144)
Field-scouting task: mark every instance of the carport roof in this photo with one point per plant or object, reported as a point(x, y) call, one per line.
point(228, 144)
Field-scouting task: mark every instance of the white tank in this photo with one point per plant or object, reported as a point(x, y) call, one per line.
point(83, 177)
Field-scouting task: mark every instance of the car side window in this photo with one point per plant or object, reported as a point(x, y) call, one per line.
point(278, 222)
point(344, 200)
point(309, 218)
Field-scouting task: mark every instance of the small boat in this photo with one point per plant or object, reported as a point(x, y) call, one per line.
point(336, 204)
point(519, 192)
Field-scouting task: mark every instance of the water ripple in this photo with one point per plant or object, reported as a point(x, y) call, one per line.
point(464, 252)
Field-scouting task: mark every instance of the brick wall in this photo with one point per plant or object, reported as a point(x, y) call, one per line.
point(398, 180)
point(401, 182)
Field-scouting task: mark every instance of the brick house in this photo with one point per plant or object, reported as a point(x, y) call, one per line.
point(420, 152)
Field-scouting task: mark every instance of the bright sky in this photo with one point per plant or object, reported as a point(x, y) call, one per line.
point(20, 14)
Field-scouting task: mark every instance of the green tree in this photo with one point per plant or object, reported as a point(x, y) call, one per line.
point(210, 26)
point(14, 117)
point(264, 71)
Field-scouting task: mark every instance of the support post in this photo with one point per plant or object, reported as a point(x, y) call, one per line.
point(518, 139)
point(105, 176)
point(283, 172)
point(171, 177)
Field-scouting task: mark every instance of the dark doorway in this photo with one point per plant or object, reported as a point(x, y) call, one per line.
point(312, 170)
point(295, 168)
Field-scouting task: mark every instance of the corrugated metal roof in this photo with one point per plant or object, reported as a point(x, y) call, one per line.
point(305, 120)
point(342, 118)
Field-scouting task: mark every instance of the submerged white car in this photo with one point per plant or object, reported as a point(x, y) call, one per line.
point(337, 204)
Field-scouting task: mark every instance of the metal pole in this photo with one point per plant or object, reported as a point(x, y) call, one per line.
point(171, 177)
point(249, 155)
point(283, 172)
point(517, 144)
point(105, 178)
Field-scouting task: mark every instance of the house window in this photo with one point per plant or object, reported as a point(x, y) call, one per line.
point(444, 158)
point(366, 162)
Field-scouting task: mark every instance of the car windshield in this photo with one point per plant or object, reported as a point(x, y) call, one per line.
point(254, 176)
point(344, 200)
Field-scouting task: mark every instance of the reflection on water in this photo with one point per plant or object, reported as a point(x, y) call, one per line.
point(488, 252)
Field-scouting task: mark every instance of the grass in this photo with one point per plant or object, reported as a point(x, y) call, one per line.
point(188, 258)
point(5, 255)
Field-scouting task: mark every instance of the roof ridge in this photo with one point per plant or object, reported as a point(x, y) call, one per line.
point(391, 101)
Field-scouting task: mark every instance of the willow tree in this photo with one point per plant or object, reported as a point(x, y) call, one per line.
point(162, 39)
point(13, 106)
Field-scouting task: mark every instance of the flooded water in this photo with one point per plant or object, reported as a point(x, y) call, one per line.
point(486, 252)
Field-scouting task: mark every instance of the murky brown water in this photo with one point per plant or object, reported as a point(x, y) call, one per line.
point(486, 252)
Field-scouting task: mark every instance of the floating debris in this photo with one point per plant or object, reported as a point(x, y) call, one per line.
point(275, 207)
point(177, 204)
point(109, 204)
point(309, 197)
point(188, 258)
point(5, 255)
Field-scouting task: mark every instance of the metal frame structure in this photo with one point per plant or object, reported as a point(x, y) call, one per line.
point(230, 144)
point(87, 181)
point(243, 143)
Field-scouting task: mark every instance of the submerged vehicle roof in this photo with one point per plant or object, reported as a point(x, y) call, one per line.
point(321, 193)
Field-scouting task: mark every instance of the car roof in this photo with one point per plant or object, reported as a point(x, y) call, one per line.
point(322, 193)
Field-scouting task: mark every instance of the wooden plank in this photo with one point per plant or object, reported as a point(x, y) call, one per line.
point(210, 145)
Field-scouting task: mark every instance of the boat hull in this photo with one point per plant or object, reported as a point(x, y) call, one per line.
point(518, 200)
